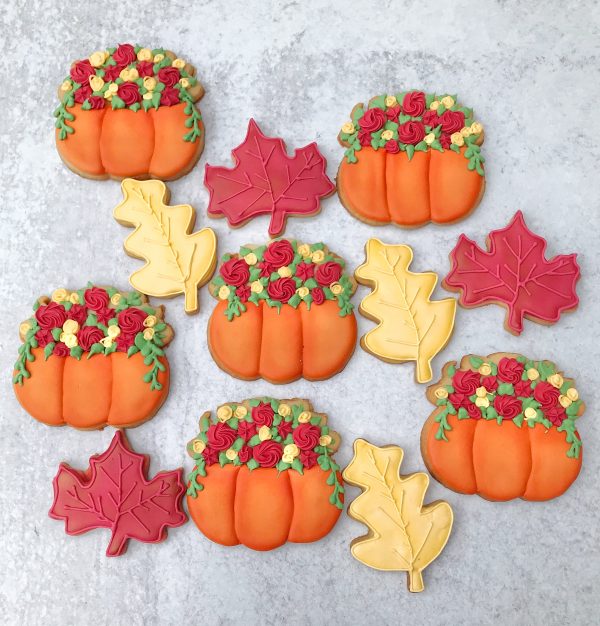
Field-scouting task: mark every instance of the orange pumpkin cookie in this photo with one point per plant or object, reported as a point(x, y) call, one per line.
point(264, 474)
point(129, 112)
point(93, 357)
point(284, 313)
point(504, 428)
point(411, 158)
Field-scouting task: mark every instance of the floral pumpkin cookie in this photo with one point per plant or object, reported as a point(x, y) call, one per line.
point(504, 428)
point(411, 158)
point(264, 474)
point(129, 112)
point(93, 357)
point(284, 313)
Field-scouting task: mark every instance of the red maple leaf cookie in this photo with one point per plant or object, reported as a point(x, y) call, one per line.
point(266, 180)
point(515, 273)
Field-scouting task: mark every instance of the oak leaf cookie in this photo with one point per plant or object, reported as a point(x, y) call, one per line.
point(129, 112)
point(411, 158)
point(284, 312)
point(265, 474)
point(93, 357)
point(504, 427)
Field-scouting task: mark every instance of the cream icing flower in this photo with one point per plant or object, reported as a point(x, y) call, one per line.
point(530, 413)
point(304, 250)
point(434, 106)
point(291, 450)
point(390, 101)
point(224, 292)
point(150, 321)
point(113, 88)
point(116, 299)
point(158, 58)
point(24, 328)
point(231, 454)
point(429, 138)
point(304, 417)
point(66, 85)
point(149, 83)
point(302, 291)
point(448, 101)
point(74, 297)
point(476, 128)
point(441, 393)
point(70, 341)
point(386, 135)
point(224, 413)
point(573, 394)
point(284, 410)
point(178, 63)
point(145, 54)
point(317, 256)
point(348, 128)
point(264, 433)
point(59, 295)
point(198, 446)
point(485, 369)
point(481, 392)
point(251, 258)
point(184, 82)
point(98, 58)
point(556, 380)
point(148, 334)
point(256, 286)
point(324, 440)
point(286, 458)
point(457, 139)
point(107, 342)
point(96, 83)
point(113, 331)
point(240, 411)
point(70, 327)
point(336, 289)
point(565, 401)
point(284, 272)
point(148, 95)
point(465, 131)
point(532, 374)
point(482, 402)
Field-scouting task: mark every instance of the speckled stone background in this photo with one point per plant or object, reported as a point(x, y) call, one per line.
point(532, 76)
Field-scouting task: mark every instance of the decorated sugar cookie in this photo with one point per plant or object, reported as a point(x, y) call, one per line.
point(504, 427)
point(284, 312)
point(266, 180)
point(411, 158)
point(92, 357)
point(411, 326)
point(514, 272)
point(265, 474)
point(114, 493)
point(404, 534)
point(129, 112)
point(178, 261)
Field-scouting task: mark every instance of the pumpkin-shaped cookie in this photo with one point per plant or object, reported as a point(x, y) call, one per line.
point(129, 112)
point(284, 312)
point(264, 474)
point(504, 428)
point(411, 158)
point(93, 357)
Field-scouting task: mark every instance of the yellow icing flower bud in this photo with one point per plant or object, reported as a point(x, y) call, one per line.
point(465, 131)
point(148, 334)
point(284, 410)
point(256, 286)
point(113, 88)
point(98, 58)
point(304, 250)
point(198, 446)
point(150, 321)
point(476, 128)
point(107, 342)
point(178, 63)
point(158, 58)
point(317, 256)
point(224, 413)
point(429, 138)
point(434, 106)
point(485, 369)
point(457, 139)
point(556, 380)
point(565, 401)
point(336, 289)
point(348, 128)
point(386, 135)
point(324, 440)
point(251, 258)
point(24, 328)
point(224, 292)
point(481, 392)
point(482, 402)
point(70, 327)
point(113, 331)
point(264, 433)
point(96, 83)
point(149, 83)
point(532, 374)
point(284, 272)
point(291, 450)
point(390, 101)
point(145, 54)
point(184, 82)
point(62, 337)
point(448, 101)
point(304, 417)
point(124, 74)
point(441, 393)
point(231, 454)
point(147, 95)
point(59, 295)
point(74, 297)
point(573, 394)
point(530, 413)
point(302, 291)
point(240, 411)
point(133, 74)
point(116, 299)
point(108, 94)
point(70, 341)
point(66, 85)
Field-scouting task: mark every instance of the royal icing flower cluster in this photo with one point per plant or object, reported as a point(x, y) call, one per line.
point(516, 389)
point(93, 320)
point(265, 433)
point(414, 121)
point(284, 272)
point(129, 77)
